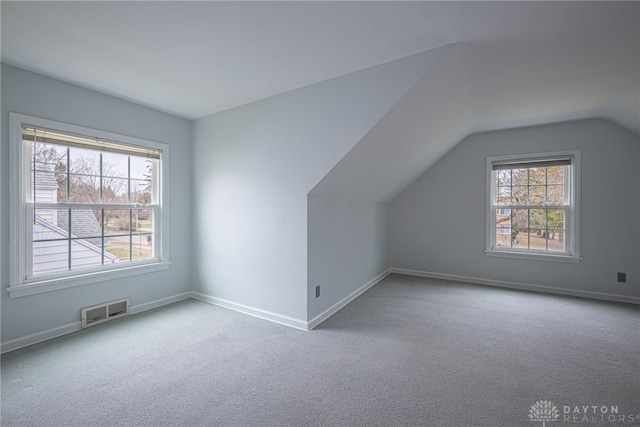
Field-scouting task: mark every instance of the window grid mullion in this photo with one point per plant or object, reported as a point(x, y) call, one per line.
point(528, 187)
point(528, 191)
point(102, 236)
point(68, 180)
point(100, 195)
point(546, 186)
point(130, 234)
point(546, 229)
point(34, 195)
point(69, 237)
point(87, 206)
point(129, 179)
point(511, 185)
point(546, 212)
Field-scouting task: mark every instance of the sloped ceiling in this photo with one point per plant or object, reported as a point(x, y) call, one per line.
point(495, 83)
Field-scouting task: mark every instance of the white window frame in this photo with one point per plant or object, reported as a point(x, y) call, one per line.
point(572, 211)
point(20, 284)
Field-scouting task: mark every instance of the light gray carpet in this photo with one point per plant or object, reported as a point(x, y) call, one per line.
point(410, 351)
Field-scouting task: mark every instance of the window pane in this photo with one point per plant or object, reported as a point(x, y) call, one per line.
point(503, 227)
point(519, 176)
point(142, 246)
point(537, 239)
point(51, 224)
point(503, 236)
point(520, 228)
point(86, 224)
point(142, 223)
point(50, 241)
point(45, 185)
point(84, 189)
point(115, 165)
point(61, 191)
point(555, 174)
point(116, 222)
point(555, 195)
point(140, 167)
point(520, 238)
point(136, 221)
point(117, 238)
point(556, 239)
point(141, 192)
point(117, 249)
point(536, 195)
point(85, 254)
point(50, 256)
point(84, 161)
point(537, 219)
point(114, 190)
point(50, 163)
point(49, 157)
point(504, 196)
point(503, 217)
point(503, 177)
point(555, 218)
point(520, 218)
point(520, 195)
point(537, 176)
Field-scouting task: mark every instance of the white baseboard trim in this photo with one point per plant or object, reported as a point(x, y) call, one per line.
point(76, 326)
point(521, 286)
point(353, 295)
point(135, 309)
point(40, 336)
point(251, 311)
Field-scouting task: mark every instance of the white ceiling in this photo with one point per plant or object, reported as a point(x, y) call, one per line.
point(192, 59)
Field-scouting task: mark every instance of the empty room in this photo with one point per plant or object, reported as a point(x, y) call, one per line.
point(334, 213)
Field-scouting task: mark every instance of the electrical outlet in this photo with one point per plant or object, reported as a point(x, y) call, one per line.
point(622, 277)
point(318, 291)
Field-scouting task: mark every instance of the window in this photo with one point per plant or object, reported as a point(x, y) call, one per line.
point(532, 206)
point(86, 205)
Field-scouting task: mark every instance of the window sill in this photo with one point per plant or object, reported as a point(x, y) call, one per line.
point(534, 256)
point(48, 285)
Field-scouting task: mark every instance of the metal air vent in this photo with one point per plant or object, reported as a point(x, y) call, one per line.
point(100, 313)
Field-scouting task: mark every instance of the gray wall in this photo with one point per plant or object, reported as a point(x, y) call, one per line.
point(254, 166)
point(348, 246)
point(36, 95)
point(437, 224)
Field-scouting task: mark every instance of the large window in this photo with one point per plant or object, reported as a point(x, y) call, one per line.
point(86, 205)
point(533, 206)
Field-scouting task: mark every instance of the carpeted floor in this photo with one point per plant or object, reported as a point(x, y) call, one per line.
point(410, 351)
